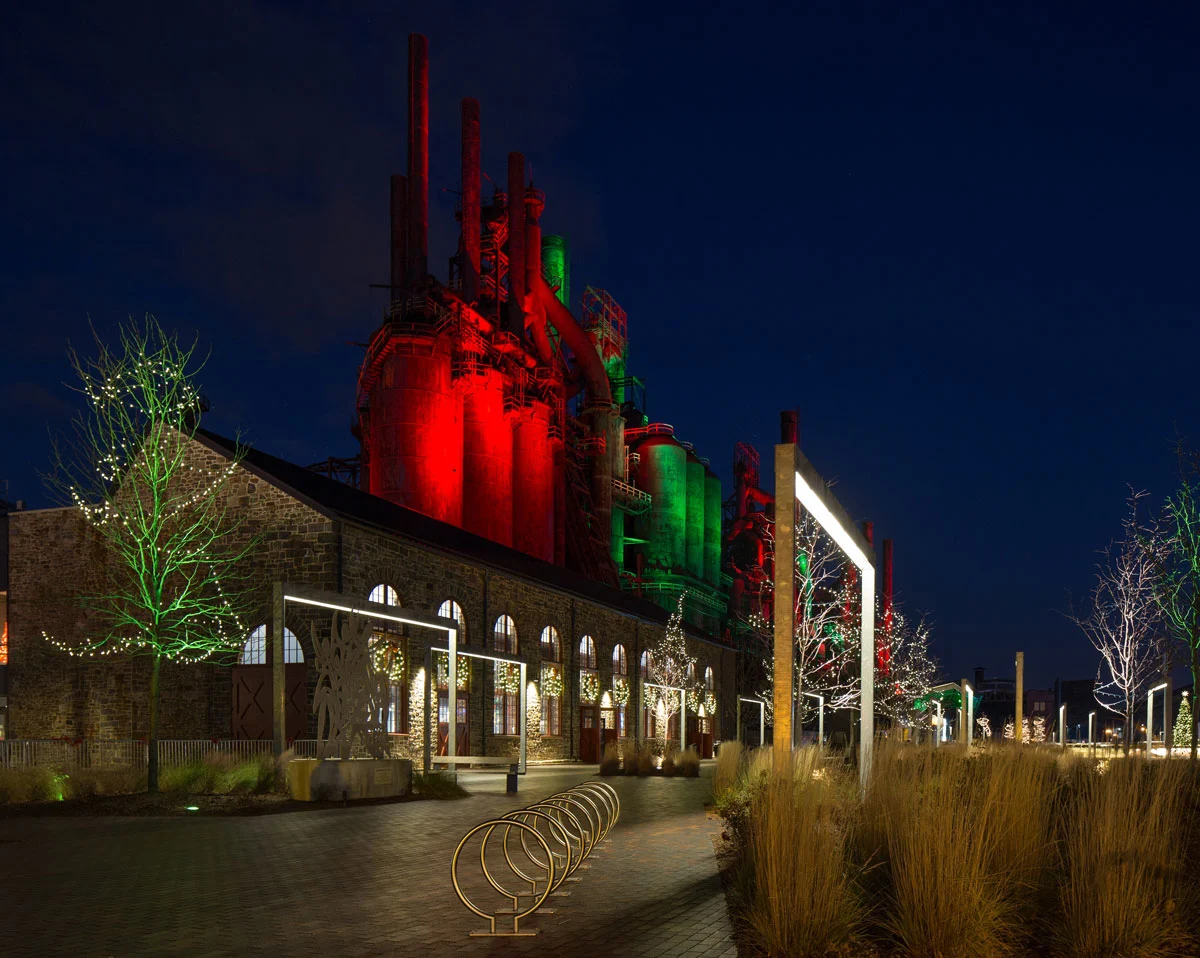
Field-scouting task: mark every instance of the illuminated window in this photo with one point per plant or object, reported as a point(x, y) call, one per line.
point(709, 679)
point(4, 645)
point(551, 682)
point(587, 653)
point(452, 610)
point(384, 595)
point(389, 655)
point(691, 673)
point(645, 666)
point(254, 651)
point(504, 635)
point(551, 647)
point(505, 699)
point(620, 665)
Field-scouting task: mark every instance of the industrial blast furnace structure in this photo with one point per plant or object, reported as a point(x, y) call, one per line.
point(485, 402)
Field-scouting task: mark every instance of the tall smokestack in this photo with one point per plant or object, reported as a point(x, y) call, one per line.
point(868, 528)
point(399, 226)
point(418, 158)
point(788, 426)
point(516, 243)
point(887, 583)
point(470, 199)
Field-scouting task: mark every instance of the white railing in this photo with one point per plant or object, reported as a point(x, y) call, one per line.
point(122, 753)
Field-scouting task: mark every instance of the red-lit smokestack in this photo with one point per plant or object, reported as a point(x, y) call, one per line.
point(516, 243)
point(418, 158)
point(470, 199)
point(787, 426)
point(868, 528)
point(399, 217)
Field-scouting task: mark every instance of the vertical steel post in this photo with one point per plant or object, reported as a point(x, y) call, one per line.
point(1019, 718)
point(278, 672)
point(784, 601)
point(866, 725)
point(524, 715)
point(452, 695)
point(430, 681)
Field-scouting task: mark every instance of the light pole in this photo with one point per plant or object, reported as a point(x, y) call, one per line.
point(1150, 715)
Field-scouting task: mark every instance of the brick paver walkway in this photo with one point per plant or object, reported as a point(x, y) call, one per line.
point(356, 881)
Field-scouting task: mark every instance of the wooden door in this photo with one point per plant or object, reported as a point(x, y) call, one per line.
point(589, 735)
point(252, 702)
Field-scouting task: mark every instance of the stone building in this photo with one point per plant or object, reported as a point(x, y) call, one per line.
point(583, 640)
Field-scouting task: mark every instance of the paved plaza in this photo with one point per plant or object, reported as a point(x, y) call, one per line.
point(355, 881)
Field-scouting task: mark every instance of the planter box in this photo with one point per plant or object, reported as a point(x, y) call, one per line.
point(335, 780)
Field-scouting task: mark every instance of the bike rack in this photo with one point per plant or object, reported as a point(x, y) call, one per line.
point(574, 823)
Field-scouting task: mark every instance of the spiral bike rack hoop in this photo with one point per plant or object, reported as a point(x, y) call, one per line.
point(576, 820)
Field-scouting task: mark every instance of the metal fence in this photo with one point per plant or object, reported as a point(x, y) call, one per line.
point(121, 753)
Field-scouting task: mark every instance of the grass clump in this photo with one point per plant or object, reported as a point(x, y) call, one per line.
point(687, 763)
point(437, 785)
point(1001, 850)
point(610, 762)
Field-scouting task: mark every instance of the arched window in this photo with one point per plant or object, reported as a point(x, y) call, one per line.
point(452, 610)
point(620, 689)
point(504, 635)
point(389, 654)
point(384, 595)
point(551, 647)
point(620, 665)
point(551, 684)
point(691, 673)
point(645, 666)
point(587, 653)
point(254, 651)
point(709, 680)
point(506, 692)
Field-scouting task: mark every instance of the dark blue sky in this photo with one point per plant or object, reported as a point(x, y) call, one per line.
point(962, 240)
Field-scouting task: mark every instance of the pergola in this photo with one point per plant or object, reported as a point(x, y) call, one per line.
point(797, 481)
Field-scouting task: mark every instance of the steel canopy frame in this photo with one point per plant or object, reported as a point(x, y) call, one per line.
point(1150, 719)
point(283, 593)
point(452, 700)
point(762, 717)
point(797, 481)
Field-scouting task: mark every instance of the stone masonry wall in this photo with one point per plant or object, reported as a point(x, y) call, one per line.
point(53, 694)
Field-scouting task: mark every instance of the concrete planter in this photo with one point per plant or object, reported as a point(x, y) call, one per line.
point(335, 780)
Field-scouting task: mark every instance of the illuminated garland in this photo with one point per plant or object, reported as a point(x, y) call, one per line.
point(508, 678)
point(694, 701)
point(552, 684)
point(620, 691)
point(710, 704)
point(388, 659)
point(462, 672)
point(589, 686)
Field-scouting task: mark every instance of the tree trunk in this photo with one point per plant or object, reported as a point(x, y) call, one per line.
point(1195, 650)
point(152, 746)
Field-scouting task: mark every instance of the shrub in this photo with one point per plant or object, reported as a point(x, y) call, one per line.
point(610, 763)
point(29, 785)
point(687, 763)
point(219, 774)
point(637, 758)
point(87, 783)
point(668, 761)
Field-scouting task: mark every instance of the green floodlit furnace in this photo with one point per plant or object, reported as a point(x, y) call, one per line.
point(556, 264)
point(694, 546)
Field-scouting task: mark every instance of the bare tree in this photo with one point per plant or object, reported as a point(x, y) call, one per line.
point(1122, 618)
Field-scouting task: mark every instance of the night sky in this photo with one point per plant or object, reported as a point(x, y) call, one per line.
point(962, 242)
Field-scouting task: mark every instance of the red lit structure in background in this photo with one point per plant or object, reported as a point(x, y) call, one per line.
point(485, 403)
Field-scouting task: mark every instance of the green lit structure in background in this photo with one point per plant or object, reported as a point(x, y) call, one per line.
point(556, 265)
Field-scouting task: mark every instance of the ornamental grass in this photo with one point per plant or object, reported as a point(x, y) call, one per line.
point(999, 850)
